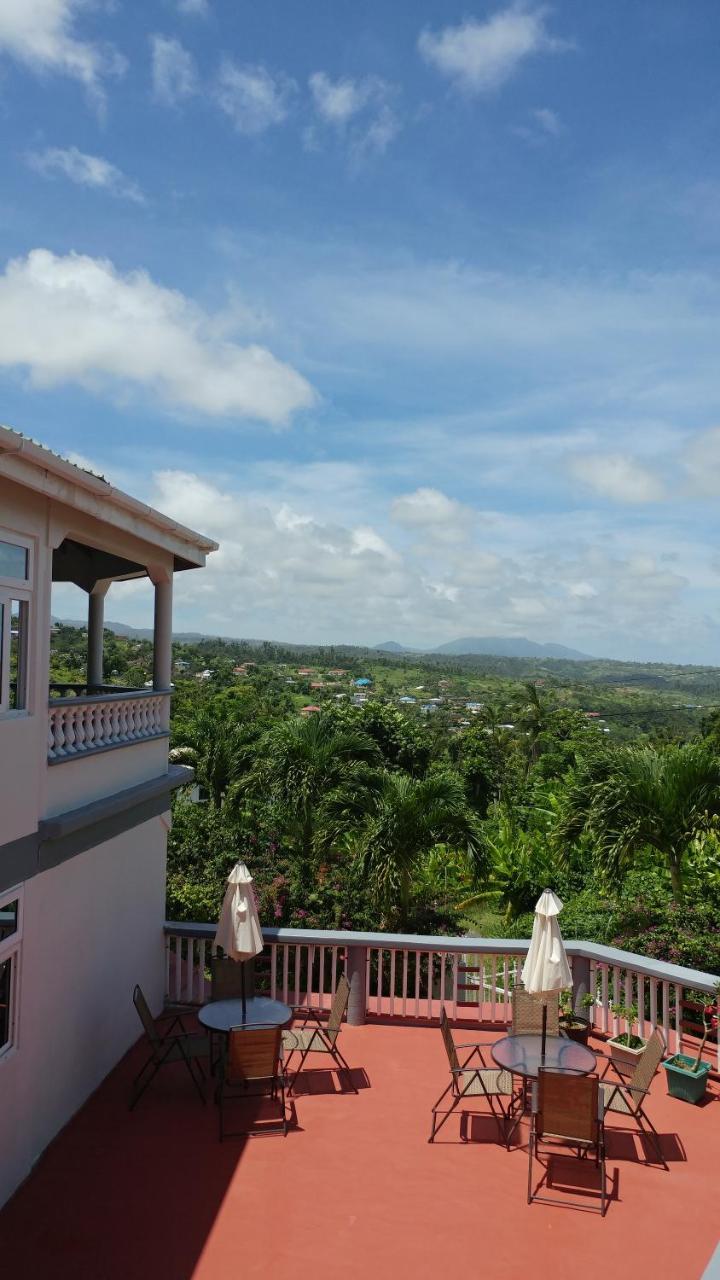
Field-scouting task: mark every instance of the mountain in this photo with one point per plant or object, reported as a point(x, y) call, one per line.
point(391, 646)
point(510, 647)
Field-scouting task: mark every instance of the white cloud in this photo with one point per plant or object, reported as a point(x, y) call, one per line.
point(41, 34)
point(480, 56)
point(548, 120)
point(338, 101)
point(86, 170)
point(75, 319)
point(174, 73)
point(426, 508)
point(356, 108)
point(619, 477)
point(252, 97)
point(196, 8)
point(702, 463)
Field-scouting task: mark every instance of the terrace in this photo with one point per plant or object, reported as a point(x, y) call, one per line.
point(355, 1189)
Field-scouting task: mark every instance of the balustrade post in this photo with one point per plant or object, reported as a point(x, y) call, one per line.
point(581, 982)
point(356, 973)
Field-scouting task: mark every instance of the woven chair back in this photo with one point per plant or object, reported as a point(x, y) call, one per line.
point(648, 1062)
point(338, 1008)
point(146, 1017)
point(253, 1054)
point(527, 1012)
point(448, 1041)
point(567, 1106)
point(226, 978)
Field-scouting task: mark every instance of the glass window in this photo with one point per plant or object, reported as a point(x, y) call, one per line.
point(18, 654)
point(9, 919)
point(13, 561)
point(6, 993)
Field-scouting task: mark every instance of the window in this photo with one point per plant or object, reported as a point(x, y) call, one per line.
point(14, 561)
point(15, 571)
point(10, 948)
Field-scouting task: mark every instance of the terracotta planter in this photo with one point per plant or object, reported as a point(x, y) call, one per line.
point(621, 1053)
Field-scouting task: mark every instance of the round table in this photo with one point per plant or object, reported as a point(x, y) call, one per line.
point(523, 1056)
point(260, 1011)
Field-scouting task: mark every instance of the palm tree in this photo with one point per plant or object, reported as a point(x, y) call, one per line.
point(302, 767)
point(643, 798)
point(403, 821)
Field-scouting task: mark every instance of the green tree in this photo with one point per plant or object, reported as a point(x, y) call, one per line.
point(640, 798)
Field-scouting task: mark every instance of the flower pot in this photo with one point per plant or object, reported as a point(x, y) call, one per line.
point(621, 1053)
point(575, 1027)
point(688, 1085)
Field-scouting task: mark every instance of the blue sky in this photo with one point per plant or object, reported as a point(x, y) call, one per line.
point(413, 307)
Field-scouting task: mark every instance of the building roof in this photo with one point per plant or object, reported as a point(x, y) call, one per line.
point(26, 462)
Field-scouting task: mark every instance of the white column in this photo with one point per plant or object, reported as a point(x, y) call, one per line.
point(96, 622)
point(162, 636)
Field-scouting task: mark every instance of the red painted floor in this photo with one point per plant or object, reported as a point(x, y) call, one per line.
point(354, 1191)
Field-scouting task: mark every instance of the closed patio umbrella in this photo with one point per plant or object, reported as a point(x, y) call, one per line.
point(546, 966)
point(238, 932)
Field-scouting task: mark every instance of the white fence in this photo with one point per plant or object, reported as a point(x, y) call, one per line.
point(79, 726)
point(413, 977)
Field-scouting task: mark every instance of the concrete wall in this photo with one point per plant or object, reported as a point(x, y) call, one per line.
point(93, 927)
point(93, 777)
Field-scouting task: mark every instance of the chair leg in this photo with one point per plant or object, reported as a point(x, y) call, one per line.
point(435, 1126)
point(531, 1147)
point(189, 1064)
point(343, 1066)
point(651, 1133)
point(137, 1089)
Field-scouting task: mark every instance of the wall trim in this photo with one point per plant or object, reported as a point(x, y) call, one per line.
point(65, 835)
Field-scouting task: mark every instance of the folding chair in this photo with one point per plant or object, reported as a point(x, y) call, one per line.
point(626, 1098)
point(167, 1047)
point(477, 1081)
point(316, 1036)
point(567, 1112)
point(252, 1057)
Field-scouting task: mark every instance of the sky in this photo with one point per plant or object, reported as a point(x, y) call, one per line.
point(414, 308)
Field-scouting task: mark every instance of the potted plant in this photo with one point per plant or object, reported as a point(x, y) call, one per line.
point(575, 1025)
point(627, 1047)
point(687, 1076)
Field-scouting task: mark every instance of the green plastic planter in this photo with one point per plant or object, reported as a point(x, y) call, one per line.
point(688, 1085)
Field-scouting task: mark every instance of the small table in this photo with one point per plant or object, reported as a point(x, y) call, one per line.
point(260, 1011)
point(522, 1055)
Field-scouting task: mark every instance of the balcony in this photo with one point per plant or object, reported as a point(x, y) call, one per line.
point(355, 1189)
point(85, 719)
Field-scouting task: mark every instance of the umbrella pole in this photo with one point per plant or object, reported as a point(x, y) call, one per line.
point(242, 989)
point(544, 1034)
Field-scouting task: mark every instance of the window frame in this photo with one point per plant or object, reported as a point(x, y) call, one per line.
point(11, 949)
point(20, 589)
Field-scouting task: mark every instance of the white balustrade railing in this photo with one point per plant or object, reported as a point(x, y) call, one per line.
point(80, 726)
point(412, 977)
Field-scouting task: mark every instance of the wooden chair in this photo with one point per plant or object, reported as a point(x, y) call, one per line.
point(166, 1047)
point(527, 1012)
point(626, 1098)
point(315, 1036)
point(466, 1081)
point(251, 1067)
point(567, 1112)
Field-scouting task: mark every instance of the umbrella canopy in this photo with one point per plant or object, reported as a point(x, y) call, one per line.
point(238, 932)
point(546, 967)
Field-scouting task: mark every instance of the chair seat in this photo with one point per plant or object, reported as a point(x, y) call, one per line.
point(304, 1039)
point(615, 1100)
point(485, 1080)
point(188, 1046)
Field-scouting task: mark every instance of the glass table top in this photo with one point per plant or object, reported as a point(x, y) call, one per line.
point(523, 1055)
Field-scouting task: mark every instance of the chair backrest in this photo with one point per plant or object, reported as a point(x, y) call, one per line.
point(648, 1063)
point(567, 1106)
point(253, 1053)
point(527, 1012)
point(448, 1041)
point(146, 1017)
point(338, 1008)
point(226, 978)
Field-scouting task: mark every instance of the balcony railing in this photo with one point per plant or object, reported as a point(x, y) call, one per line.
point(411, 976)
point(86, 724)
point(78, 689)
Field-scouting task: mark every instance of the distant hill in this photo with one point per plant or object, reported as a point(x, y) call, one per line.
point(510, 647)
point(392, 646)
